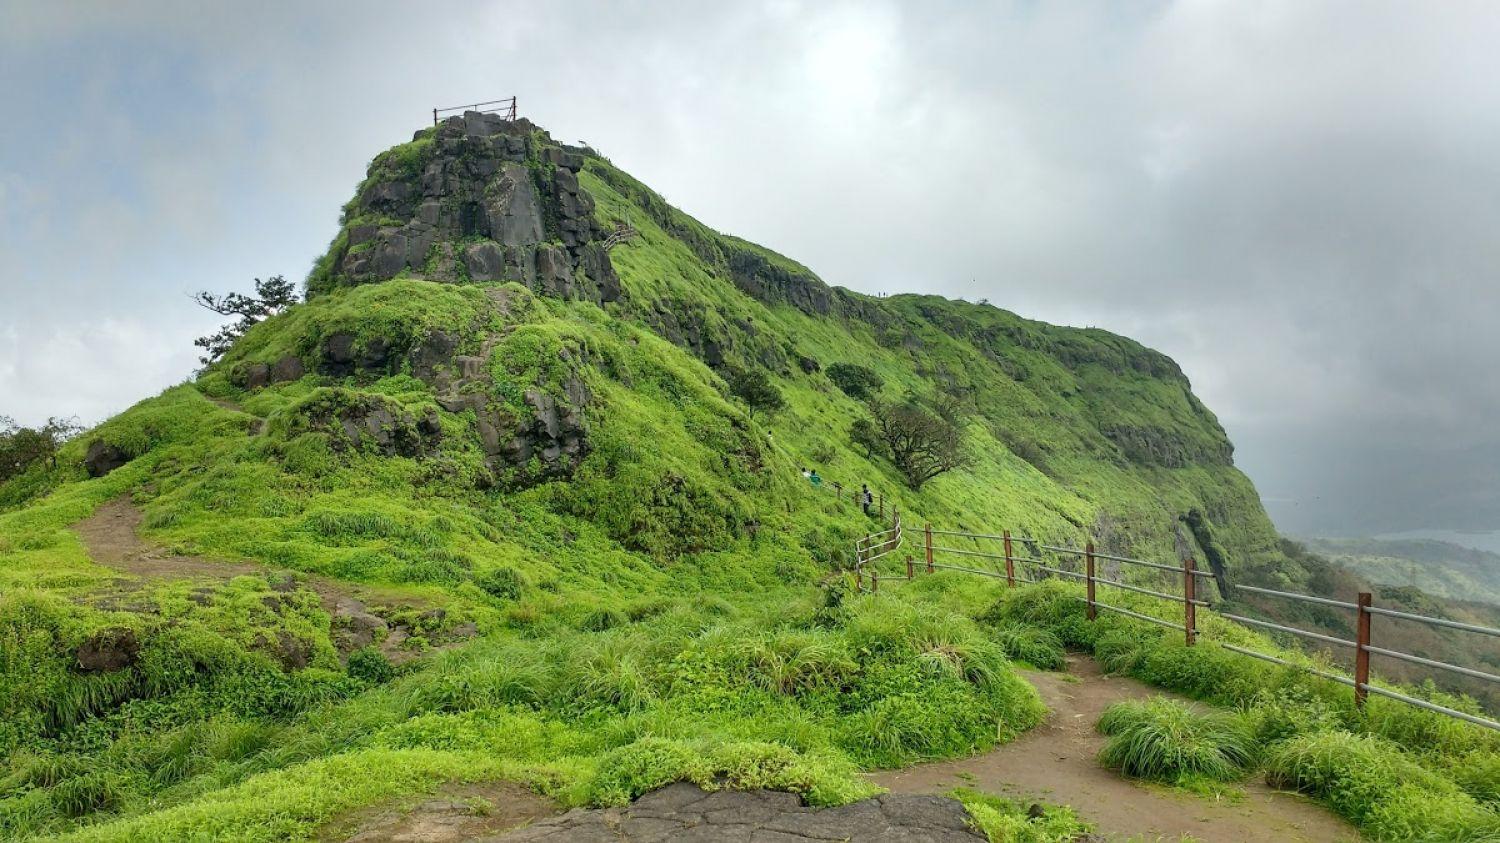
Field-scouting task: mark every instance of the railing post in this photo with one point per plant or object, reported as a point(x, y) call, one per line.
point(1189, 608)
point(874, 580)
point(910, 572)
point(1010, 565)
point(928, 535)
point(1088, 558)
point(1362, 650)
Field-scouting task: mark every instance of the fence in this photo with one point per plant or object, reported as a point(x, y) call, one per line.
point(876, 546)
point(506, 108)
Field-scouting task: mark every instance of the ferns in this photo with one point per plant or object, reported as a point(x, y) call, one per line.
point(1167, 740)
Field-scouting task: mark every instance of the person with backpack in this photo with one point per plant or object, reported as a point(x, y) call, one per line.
point(865, 498)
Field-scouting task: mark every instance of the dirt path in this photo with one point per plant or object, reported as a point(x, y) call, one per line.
point(112, 538)
point(1056, 762)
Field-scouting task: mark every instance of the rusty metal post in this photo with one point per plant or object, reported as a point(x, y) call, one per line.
point(1189, 608)
point(1088, 558)
point(874, 580)
point(928, 535)
point(910, 567)
point(1010, 564)
point(1362, 650)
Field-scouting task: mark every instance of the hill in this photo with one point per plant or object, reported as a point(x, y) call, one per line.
point(1436, 567)
point(488, 504)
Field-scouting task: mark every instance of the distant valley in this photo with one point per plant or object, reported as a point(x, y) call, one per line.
point(1437, 567)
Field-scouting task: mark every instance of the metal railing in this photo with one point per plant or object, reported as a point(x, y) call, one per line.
point(506, 108)
point(1025, 569)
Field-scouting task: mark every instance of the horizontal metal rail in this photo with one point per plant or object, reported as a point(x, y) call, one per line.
point(1030, 559)
point(937, 532)
point(1343, 604)
point(477, 104)
point(1467, 671)
point(937, 549)
point(1343, 680)
point(1136, 615)
point(1175, 598)
point(1343, 642)
point(1407, 616)
point(970, 570)
point(1176, 569)
point(1440, 709)
point(1074, 551)
point(1060, 572)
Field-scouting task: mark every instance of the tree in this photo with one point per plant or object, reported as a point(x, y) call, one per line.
point(855, 380)
point(755, 389)
point(922, 441)
point(23, 447)
point(272, 296)
point(865, 434)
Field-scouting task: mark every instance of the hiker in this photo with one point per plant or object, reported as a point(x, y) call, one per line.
point(816, 480)
point(865, 498)
point(806, 475)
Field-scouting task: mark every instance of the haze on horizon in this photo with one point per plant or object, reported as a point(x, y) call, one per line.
point(1297, 201)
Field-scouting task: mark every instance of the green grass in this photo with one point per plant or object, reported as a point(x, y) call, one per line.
point(1005, 820)
point(1167, 740)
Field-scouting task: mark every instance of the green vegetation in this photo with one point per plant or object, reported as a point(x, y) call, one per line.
point(1167, 740)
point(671, 603)
point(1008, 821)
point(1436, 567)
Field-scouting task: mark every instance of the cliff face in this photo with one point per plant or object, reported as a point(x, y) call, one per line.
point(476, 198)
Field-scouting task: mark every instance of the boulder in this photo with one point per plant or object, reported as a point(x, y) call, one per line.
point(108, 650)
point(515, 214)
point(485, 261)
point(288, 368)
point(102, 458)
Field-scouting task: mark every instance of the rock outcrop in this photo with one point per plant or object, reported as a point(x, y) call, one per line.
point(683, 812)
point(476, 198)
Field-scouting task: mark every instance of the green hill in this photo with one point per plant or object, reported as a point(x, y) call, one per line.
point(486, 505)
point(1436, 567)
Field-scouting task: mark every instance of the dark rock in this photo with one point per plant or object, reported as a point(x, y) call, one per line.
point(485, 261)
point(515, 214)
point(102, 458)
point(255, 375)
point(290, 651)
point(363, 421)
point(108, 650)
point(808, 365)
point(354, 627)
point(554, 272)
point(338, 355)
point(288, 368)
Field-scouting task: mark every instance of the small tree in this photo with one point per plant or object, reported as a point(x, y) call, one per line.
point(272, 296)
point(866, 435)
point(855, 380)
point(922, 441)
point(23, 447)
point(754, 388)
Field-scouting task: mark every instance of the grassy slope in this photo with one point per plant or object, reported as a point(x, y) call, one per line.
point(629, 636)
point(1435, 567)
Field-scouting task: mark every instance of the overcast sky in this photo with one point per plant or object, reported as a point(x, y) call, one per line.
point(1298, 201)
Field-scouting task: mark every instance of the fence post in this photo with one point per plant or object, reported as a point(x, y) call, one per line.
point(909, 567)
point(928, 534)
point(1189, 608)
point(1362, 650)
point(434, 117)
point(1088, 558)
point(1010, 565)
point(874, 580)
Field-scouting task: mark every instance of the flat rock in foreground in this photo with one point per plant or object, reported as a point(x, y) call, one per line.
point(682, 812)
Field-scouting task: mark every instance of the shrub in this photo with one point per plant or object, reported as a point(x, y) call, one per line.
point(1167, 740)
point(370, 665)
point(641, 767)
point(855, 380)
point(1032, 645)
point(502, 583)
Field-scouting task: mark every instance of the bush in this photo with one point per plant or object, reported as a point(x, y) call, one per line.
point(855, 380)
point(1167, 740)
point(502, 583)
point(1372, 782)
point(641, 767)
point(1032, 645)
point(370, 665)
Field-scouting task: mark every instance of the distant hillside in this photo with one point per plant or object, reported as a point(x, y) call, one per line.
point(1436, 567)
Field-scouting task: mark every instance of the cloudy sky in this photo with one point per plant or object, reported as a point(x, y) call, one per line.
point(1298, 201)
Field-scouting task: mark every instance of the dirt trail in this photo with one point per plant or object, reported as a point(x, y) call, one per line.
point(456, 813)
point(1056, 762)
point(112, 537)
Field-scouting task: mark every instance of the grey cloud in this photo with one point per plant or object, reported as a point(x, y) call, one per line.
point(1295, 200)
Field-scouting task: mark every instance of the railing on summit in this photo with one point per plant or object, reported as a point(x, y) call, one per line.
point(986, 559)
point(506, 108)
